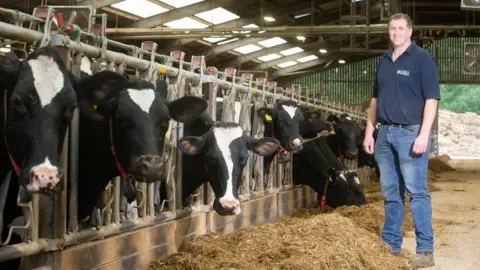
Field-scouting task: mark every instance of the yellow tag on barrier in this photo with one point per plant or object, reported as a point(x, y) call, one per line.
point(95, 107)
point(268, 118)
point(254, 91)
point(330, 178)
point(332, 132)
point(162, 70)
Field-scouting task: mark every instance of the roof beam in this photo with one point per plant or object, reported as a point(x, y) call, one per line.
point(98, 3)
point(178, 13)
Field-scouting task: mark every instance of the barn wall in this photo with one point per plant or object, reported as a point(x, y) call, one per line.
point(134, 250)
point(353, 83)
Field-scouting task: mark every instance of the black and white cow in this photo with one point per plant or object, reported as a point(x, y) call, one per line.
point(347, 138)
point(218, 154)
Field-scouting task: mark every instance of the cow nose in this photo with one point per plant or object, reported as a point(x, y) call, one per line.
point(296, 142)
point(44, 177)
point(296, 145)
point(149, 168)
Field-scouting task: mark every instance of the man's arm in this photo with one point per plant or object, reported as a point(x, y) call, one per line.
point(371, 121)
point(428, 116)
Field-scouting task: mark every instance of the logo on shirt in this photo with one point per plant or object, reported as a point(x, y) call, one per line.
point(403, 72)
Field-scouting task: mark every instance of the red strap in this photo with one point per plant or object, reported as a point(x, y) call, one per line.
point(14, 164)
point(114, 153)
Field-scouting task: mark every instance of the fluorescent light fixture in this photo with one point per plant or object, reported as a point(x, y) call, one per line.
point(5, 50)
point(302, 38)
point(301, 15)
point(291, 51)
point(341, 61)
point(287, 64)
point(272, 42)
point(252, 25)
point(247, 49)
point(185, 23)
point(140, 8)
point(261, 32)
point(307, 58)
point(180, 3)
point(227, 41)
point(213, 40)
point(269, 57)
point(269, 19)
point(217, 15)
point(323, 51)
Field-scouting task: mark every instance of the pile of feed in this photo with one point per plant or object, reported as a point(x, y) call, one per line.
point(306, 241)
point(457, 132)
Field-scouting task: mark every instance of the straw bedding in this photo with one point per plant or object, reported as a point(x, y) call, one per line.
point(342, 238)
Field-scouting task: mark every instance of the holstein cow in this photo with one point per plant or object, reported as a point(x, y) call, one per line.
point(131, 116)
point(347, 138)
point(217, 153)
point(38, 98)
point(365, 159)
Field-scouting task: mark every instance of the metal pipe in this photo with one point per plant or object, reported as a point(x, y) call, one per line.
point(15, 13)
point(28, 35)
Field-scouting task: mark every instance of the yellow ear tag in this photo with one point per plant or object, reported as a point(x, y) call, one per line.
point(330, 178)
point(95, 107)
point(166, 134)
point(268, 118)
point(332, 132)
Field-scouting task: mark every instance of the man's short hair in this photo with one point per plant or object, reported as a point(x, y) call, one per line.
point(399, 16)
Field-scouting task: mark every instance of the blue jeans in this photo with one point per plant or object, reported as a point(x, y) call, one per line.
point(400, 168)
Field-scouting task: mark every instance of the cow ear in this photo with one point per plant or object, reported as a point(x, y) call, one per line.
point(187, 108)
point(264, 146)
point(266, 114)
point(101, 87)
point(315, 115)
point(192, 145)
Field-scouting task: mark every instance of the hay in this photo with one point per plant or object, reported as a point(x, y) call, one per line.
point(439, 164)
point(307, 240)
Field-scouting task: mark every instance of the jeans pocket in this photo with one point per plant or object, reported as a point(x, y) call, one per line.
point(410, 130)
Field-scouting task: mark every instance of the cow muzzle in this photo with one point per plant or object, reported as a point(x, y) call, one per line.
point(227, 207)
point(149, 169)
point(45, 179)
point(351, 154)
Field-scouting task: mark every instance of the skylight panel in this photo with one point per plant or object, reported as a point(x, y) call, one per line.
point(185, 23)
point(252, 25)
point(291, 51)
point(287, 64)
point(269, 57)
point(213, 40)
point(247, 49)
point(307, 58)
point(217, 16)
point(180, 3)
point(140, 8)
point(227, 41)
point(271, 42)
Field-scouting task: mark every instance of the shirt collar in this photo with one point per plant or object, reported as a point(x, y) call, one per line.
point(409, 50)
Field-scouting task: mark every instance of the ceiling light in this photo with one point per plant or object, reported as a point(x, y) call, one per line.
point(261, 32)
point(271, 42)
point(180, 3)
point(287, 64)
point(291, 51)
point(213, 40)
point(269, 57)
point(5, 50)
point(247, 49)
point(302, 38)
point(301, 15)
point(250, 26)
point(341, 61)
point(185, 23)
point(217, 16)
point(141, 8)
point(323, 51)
point(307, 58)
point(227, 41)
point(269, 19)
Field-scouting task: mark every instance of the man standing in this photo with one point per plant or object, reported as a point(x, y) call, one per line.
point(405, 98)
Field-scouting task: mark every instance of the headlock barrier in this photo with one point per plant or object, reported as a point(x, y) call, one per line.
point(124, 235)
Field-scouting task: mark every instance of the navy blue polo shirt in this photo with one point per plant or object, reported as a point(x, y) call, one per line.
point(403, 86)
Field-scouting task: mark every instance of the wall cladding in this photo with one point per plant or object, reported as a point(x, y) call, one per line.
point(353, 83)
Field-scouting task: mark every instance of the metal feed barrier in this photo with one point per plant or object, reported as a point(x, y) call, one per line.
point(48, 227)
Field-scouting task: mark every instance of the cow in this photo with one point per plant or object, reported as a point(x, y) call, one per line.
point(365, 159)
point(346, 138)
point(217, 153)
point(133, 117)
point(38, 98)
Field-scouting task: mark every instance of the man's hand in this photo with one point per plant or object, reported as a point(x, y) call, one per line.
point(420, 144)
point(369, 144)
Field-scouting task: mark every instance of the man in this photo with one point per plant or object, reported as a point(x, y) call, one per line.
point(405, 98)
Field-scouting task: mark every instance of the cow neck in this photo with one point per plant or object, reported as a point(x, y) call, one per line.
point(14, 164)
point(340, 156)
point(120, 168)
point(281, 151)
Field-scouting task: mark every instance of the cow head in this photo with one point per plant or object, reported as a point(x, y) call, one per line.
point(226, 150)
point(313, 123)
point(40, 103)
point(137, 117)
point(346, 189)
point(348, 135)
point(287, 121)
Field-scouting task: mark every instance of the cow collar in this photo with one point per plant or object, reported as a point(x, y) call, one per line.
point(120, 168)
point(14, 164)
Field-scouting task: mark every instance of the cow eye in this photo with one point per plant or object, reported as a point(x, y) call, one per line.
point(18, 105)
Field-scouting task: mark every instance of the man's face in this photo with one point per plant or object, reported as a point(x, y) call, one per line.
point(399, 32)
